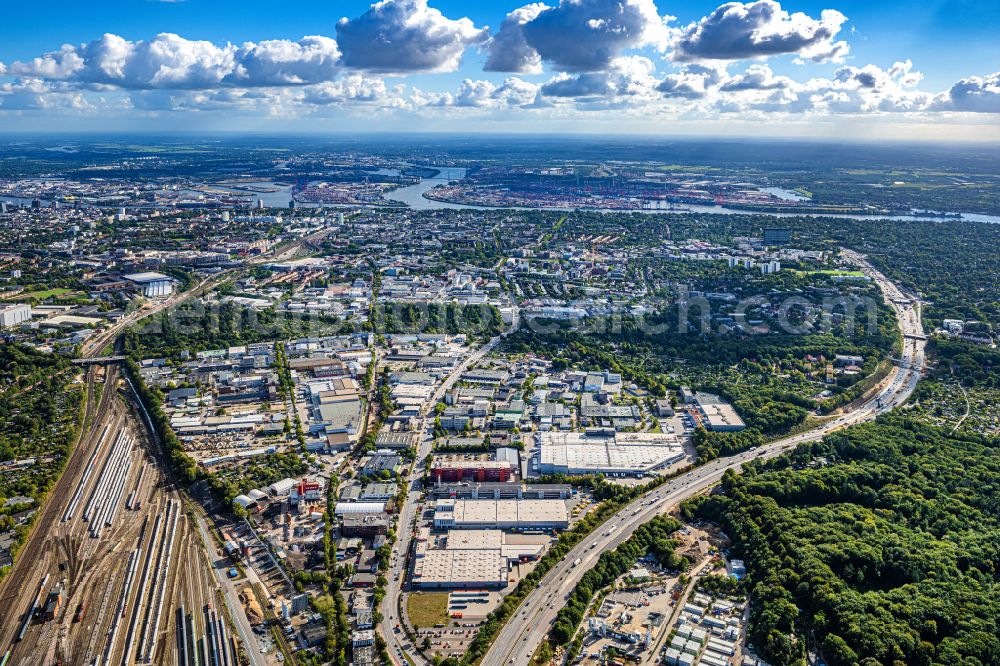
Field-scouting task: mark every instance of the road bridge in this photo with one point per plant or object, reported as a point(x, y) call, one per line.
point(99, 360)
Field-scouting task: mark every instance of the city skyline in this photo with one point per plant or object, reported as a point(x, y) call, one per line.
point(796, 69)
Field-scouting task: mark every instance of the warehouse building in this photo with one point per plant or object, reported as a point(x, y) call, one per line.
point(470, 559)
point(364, 525)
point(471, 470)
point(356, 508)
point(281, 488)
point(716, 414)
point(460, 569)
point(604, 451)
point(506, 514)
point(153, 285)
point(396, 441)
point(501, 491)
point(14, 315)
point(721, 418)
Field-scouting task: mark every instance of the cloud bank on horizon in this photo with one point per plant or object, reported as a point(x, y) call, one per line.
point(566, 60)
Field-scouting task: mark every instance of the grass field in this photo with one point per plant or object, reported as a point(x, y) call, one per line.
point(426, 609)
point(49, 293)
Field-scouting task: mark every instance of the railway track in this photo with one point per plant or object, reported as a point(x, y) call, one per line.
point(113, 612)
point(40, 542)
point(102, 556)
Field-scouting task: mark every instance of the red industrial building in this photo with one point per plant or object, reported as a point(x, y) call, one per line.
point(471, 470)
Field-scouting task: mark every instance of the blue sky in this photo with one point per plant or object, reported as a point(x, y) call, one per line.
point(929, 69)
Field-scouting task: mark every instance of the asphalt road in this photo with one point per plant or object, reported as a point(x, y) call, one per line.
point(219, 566)
point(522, 634)
point(398, 643)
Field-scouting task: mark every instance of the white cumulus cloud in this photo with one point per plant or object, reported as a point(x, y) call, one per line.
point(737, 31)
point(397, 36)
point(509, 50)
point(39, 95)
point(628, 76)
point(757, 77)
point(694, 81)
point(975, 94)
point(575, 35)
point(482, 94)
point(169, 61)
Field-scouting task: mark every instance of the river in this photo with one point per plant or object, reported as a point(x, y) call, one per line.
point(413, 197)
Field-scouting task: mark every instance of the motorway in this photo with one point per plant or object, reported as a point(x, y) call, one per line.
point(398, 643)
point(528, 627)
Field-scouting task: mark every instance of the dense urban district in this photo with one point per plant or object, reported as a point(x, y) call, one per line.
point(483, 403)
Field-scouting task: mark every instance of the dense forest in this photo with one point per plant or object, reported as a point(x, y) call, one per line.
point(972, 364)
point(877, 545)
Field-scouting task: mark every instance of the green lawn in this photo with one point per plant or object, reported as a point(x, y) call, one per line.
point(49, 293)
point(427, 609)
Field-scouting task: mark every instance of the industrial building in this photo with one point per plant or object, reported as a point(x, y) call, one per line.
point(461, 569)
point(505, 514)
point(501, 491)
point(471, 470)
point(153, 285)
point(716, 414)
point(604, 451)
point(364, 525)
point(308, 492)
point(356, 508)
point(13, 315)
point(470, 559)
point(281, 488)
point(721, 418)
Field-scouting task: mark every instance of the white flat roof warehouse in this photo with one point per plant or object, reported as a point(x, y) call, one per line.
point(620, 452)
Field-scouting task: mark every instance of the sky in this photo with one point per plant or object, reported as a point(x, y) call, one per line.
point(797, 68)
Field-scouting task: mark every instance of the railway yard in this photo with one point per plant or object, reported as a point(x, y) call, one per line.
point(115, 570)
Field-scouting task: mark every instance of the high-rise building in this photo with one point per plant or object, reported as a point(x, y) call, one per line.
point(300, 604)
